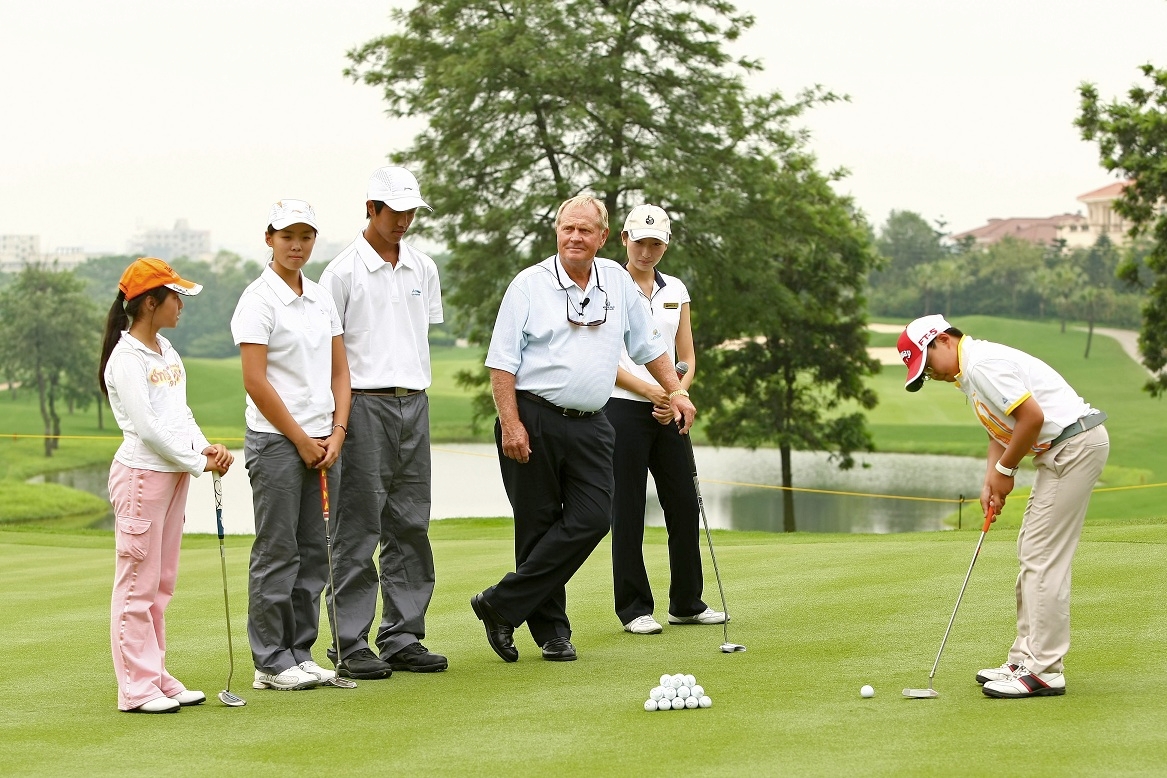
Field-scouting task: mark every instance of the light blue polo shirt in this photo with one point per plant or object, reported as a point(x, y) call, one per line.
point(569, 365)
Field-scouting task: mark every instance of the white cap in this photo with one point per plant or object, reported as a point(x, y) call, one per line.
point(397, 188)
point(648, 221)
point(913, 344)
point(285, 213)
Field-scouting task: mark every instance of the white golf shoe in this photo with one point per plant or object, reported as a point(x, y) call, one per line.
point(157, 705)
point(643, 625)
point(707, 616)
point(1001, 673)
point(189, 697)
point(292, 679)
point(322, 674)
point(1023, 683)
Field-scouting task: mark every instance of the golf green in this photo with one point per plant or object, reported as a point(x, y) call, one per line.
point(821, 615)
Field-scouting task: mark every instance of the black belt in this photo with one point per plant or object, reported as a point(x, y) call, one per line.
point(389, 391)
point(1078, 427)
point(571, 413)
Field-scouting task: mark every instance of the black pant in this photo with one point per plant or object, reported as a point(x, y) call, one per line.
point(562, 500)
point(643, 444)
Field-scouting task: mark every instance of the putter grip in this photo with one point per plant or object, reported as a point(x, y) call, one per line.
point(988, 520)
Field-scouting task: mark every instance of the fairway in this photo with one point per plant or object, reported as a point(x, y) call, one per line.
point(821, 615)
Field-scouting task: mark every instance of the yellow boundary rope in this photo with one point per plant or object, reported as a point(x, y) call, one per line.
point(18, 436)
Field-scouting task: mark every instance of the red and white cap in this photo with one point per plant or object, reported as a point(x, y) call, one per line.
point(914, 342)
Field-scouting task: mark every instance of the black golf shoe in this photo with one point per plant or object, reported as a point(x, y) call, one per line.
point(416, 658)
point(364, 665)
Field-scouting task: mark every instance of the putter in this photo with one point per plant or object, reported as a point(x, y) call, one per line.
point(225, 696)
point(726, 647)
point(930, 693)
point(337, 681)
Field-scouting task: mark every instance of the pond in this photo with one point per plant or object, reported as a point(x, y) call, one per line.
point(737, 485)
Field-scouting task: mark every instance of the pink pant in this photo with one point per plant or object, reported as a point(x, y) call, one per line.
point(150, 509)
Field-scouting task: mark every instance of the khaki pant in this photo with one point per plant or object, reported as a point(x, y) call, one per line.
point(1046, 543)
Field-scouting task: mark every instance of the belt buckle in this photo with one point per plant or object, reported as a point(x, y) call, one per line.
point(399, 391)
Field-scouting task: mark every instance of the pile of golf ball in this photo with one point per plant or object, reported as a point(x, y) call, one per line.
point(677, 692)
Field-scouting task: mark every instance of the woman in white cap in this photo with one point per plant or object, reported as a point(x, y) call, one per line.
point(297, 381)
point(647, 440)
point(145, 381)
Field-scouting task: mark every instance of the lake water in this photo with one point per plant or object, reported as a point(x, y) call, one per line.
point(736, 485)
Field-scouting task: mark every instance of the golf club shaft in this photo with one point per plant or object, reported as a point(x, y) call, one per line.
point(984, 531)
point(324, 508)
point(218, 483)
point(708, 538)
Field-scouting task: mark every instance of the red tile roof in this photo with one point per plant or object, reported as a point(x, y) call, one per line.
point(1108, 192)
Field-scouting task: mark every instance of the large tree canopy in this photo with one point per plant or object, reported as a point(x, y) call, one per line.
point(1132, 140)
point(529, 102)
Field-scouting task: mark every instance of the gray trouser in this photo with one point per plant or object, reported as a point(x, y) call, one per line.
point(384, 499)
point(1046, 543)
point(289, 562)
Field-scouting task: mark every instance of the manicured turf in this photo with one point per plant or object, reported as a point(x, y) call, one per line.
point(821, 616)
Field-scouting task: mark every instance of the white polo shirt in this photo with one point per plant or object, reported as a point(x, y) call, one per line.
point(996, 379)
point(386, 312)
point(298, 332)
point(569, 365)
point(147, 393)
point(668, 295)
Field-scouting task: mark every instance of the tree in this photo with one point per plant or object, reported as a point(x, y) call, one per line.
point(50, 334)
point(909, 245)
point(1132, 141)
point(528, 103)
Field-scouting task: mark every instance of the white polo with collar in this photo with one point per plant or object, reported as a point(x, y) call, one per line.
point(668, 295)
point(298, 332)
point(386, 311)
point(569, 365)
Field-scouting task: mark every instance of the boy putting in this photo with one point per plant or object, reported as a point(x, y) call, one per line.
point(1027, 408)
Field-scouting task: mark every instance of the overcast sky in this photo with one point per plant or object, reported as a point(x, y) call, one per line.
point(128, 113)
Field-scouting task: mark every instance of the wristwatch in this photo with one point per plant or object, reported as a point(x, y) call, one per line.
point(1007, 471)
point(676, 392)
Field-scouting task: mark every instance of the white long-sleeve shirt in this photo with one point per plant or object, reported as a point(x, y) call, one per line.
point(147, 392)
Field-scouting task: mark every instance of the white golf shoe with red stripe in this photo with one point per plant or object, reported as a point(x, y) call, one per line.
point(1023, 683)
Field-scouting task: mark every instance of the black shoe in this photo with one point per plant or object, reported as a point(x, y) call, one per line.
point(416, 658)
point(364, 665)
point(499, 634)
point(559, 650)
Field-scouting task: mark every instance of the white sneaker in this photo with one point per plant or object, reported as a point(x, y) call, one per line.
point(707, 616)
point(1023, 683)
point(1001, 673)
point(189, 697)
point(323, 675)
point(643, 625)
point(292, 679)
point(157, 705)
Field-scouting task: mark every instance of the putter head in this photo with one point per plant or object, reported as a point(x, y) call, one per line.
point(341, 683)
point(230, 700)
point(921, 694)
point(729, 648)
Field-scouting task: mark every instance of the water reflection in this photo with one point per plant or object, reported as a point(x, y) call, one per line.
point(467, 483)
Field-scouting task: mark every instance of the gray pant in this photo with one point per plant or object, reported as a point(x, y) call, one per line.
point(384, 499)
point(289, 562)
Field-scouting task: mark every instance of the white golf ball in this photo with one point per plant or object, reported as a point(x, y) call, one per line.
point(690, 681)
point(705, 702)
point(683, 692)
point(664, 679)
point(678, 703)
point(669, 693)
point(867, 691)
point(697, 691)
point(691, 702)
point(650, 705)
point(678, 680)
point(656, 693)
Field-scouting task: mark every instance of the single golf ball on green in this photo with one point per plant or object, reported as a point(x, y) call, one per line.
point(650, 704)
point(691, 702)
point(705, 702)
point(697, 691)
point(678, 703)
point(664, 679)
point(867, 691)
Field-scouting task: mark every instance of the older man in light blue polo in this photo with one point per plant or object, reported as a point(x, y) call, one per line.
point(553, 358)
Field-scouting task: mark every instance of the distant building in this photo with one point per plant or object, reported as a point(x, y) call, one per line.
point(17, 251)
point(1074, 228)
point(181, 241)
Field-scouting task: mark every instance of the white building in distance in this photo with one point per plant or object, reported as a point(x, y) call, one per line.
point(181, 241)
point(18, 251)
